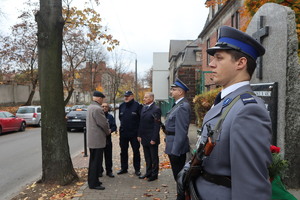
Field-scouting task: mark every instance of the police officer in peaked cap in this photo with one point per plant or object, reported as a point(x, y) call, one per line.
point(177, 126)
point(237, 167)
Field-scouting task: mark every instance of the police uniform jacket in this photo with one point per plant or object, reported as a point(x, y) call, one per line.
point(129, 115)
point(242, 149)
point(96, 126)
point(178, 120)
point(149, 126)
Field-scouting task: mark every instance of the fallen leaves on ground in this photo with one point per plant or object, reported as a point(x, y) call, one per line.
point(40, 191)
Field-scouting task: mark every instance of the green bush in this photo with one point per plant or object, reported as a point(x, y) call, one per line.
point(203, 103)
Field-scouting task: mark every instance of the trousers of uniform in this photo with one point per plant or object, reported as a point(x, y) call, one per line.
point(107, 156)
point(152, 160)
point(135, 145)
point(177, 163)
point(96, 157)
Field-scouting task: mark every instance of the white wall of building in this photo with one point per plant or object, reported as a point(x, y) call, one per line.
point(160, 75)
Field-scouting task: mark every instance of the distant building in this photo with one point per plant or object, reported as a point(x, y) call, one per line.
point(160, 76)
point(222, 14)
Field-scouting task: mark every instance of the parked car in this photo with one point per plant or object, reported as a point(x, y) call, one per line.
point(79, 107)
point(31, 114)
point(76, 119)
point(67, 109)
point(9, 122)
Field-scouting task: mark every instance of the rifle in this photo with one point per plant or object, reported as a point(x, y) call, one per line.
point(195, 169)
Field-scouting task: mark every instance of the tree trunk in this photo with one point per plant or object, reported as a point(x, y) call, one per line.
point(70, 92)
point(57, 166)
point(29, 100)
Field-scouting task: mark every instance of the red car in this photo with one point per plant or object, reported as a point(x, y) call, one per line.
point(9, 122)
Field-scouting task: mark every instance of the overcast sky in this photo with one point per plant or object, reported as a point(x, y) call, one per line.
point(141, 26)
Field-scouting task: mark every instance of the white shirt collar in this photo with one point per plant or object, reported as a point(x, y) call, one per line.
point(176, 102)
point(232, 88)
point(149, 104)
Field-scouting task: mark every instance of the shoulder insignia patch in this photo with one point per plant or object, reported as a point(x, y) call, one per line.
point(247, 98)
point(226, 102)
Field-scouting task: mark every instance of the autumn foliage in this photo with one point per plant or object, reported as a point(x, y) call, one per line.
point(203, 103)
point(250, 7)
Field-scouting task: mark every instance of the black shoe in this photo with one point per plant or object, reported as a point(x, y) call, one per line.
point(122, 171)
point(100, 175)
point(152, 178)
point(98, 187)
point(138, 173)
point(144, 176)
point(110, 174)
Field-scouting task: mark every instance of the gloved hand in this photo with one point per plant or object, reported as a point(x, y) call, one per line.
point(181, 185)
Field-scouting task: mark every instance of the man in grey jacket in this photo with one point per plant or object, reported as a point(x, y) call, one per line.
point(97, 130)
point(177, 126)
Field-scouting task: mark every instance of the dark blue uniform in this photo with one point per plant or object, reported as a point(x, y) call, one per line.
point(108, 148)
point(129, 115)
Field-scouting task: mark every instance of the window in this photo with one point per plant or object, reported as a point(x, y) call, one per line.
point(208, 56)
point(198, 56)
point(235, 20)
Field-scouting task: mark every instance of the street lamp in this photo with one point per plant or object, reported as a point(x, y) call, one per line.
point(136, 86)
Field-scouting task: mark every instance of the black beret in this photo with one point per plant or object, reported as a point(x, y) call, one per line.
point(98, 94)
point(230, 38)
point(128, 93)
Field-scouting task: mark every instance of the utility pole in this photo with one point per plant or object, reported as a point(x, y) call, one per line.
point(136, 82)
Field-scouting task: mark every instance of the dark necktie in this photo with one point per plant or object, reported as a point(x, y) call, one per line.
point(218, 99)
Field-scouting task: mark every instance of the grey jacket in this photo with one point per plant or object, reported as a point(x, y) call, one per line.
point(242, 150)
point(178, 121)
point(97, 126)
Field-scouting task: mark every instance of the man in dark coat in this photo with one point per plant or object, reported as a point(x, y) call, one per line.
point(129, 115)
point(97, 129)
point(108, 148)
point(149, 135)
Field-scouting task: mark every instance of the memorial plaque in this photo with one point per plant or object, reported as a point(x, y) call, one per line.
point(269, 93)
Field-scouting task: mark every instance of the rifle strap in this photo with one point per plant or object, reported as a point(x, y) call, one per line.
point(217, 129)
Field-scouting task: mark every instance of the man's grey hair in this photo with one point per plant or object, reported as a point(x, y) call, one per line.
point(151, 94)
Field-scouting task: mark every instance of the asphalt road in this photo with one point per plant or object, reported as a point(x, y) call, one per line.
point(21, 159)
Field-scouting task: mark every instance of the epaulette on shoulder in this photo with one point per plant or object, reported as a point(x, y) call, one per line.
point(247, 98)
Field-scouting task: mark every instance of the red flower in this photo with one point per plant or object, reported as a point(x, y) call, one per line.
point(274, 149)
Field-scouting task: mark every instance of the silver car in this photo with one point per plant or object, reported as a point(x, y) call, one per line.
point(31, 114)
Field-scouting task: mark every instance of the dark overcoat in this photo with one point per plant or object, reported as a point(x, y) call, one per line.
point(129, 115)
point(149, 125)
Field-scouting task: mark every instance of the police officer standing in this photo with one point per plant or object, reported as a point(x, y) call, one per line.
point(237, 167)
point(129, 115)
point(177, 126)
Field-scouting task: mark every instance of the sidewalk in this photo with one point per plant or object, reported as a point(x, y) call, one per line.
point(128, 186)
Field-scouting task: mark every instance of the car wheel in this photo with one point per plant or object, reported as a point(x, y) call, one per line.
point(22, 127)
point(0, 130)
point(40, 123)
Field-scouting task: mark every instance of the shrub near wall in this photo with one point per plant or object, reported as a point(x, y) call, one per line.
point(203, 103)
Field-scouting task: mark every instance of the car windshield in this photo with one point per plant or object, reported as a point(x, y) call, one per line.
point(25, 110)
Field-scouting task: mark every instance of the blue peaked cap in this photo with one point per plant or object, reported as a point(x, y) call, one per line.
point(232, 39)
point(179, 83)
